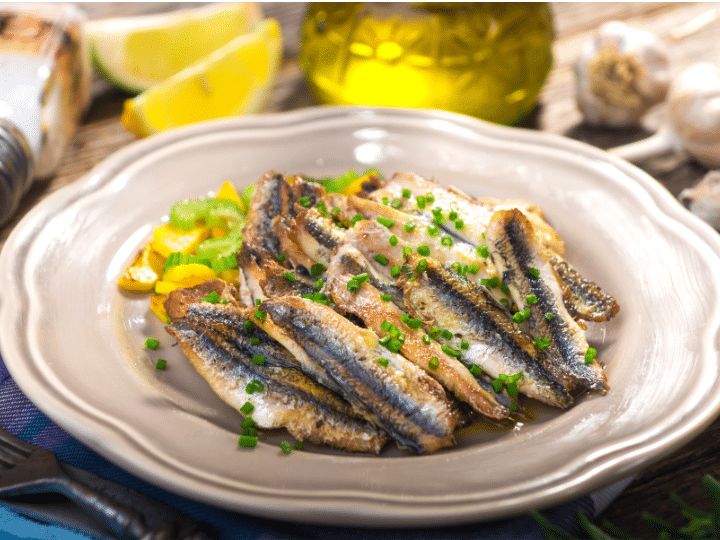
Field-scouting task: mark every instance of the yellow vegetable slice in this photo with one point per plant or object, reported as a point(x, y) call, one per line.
point(228, 191)
point(144, 272)
point(168, 238)
point(157, 306)
point(233, 80)
point(186, 275)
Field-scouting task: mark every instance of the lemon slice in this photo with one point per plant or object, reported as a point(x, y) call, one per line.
point(135, 53)
point(233, 80)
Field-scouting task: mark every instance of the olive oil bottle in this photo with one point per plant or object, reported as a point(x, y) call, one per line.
point(488, 60)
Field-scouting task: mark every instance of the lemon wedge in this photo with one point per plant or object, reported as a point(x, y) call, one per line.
point(233, 80)
point(135, 53)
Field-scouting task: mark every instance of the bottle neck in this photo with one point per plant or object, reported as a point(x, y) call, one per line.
point(15, 168)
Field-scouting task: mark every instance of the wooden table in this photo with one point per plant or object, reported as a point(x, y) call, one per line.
point(101, 134)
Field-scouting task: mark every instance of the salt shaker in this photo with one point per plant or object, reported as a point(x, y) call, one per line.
point(44, 89)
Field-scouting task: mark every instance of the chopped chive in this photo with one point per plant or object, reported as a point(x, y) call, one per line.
point(421, 266)
point(549, 316)
point(474, 268)
point(491, 282)
point(410, 226)
point(319, 284)
point(289, 276)
point(521, 316)
point(212, 298)
point(393, 240)
point(453, 215)
point(385, 201)
point(260, 315)
point(513, 407)
point(475, 370)
point(247, 408)
point(321, 206)
point(407, 250)
point(406, 193)
point(317, 269)
point(459, 224)
point(394, 346)
point(396, 203)
point(446, 241)
point(258, 301)
point(434, 363)
point(512, 389)
point(384, 340)
point(285, 447)
point(590, 355)
point(362, 278)
point(414, 323)
point(542, 343)
point(250, 431)
point(248, 326)
point(356, 218)
point(382, 220)
point(497, 385)
point(255, 341)
point(426, 339)
point(430, 198)
point(281, 258)
point(447, 335)
point(247, 441)
point(353, 285)
point(152, 343)
point(433, 230)
point(386, 297)
point(464, 345)
point(534, 272)
point(504, 288)
point(423, 250)
point(531, 299)
point(248, 422)
point(395, 271)
point(382, 259)
point(437, 216)
point(483, 251)
point(161, 364)
point(387, 326)
point(435, 331)
point(420, 201)
point(383, 362)
point(298, 445)
point(258, 359)
point(450, 351)
point(304, 201)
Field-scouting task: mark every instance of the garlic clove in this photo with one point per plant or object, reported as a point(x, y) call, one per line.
point(694, 111)
point(620, 75)
point(703, 199)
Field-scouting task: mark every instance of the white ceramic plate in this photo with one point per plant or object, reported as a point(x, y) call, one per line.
point(74, 342)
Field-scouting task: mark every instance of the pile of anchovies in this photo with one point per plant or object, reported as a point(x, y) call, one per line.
point(402, 311)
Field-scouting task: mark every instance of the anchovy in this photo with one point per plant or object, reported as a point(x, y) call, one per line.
point(270, 199)
point(525, 267)
point(382, 386)
point(212, 336)
point(376, 313)
point(583, 298)
point(481, 331)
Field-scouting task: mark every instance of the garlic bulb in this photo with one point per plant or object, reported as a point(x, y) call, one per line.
point(694, 111)
point(620, 75)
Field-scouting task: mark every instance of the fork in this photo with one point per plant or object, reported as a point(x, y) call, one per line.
point(27, 469)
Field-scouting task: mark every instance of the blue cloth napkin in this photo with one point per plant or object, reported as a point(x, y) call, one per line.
point(20, 417)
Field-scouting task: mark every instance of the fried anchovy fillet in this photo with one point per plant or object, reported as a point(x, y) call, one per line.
point(213, 337)
point(367, 304)
point(270, 199)
point(383, 387)
point(448, 301)
point(583, 298)
point(525, 267)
